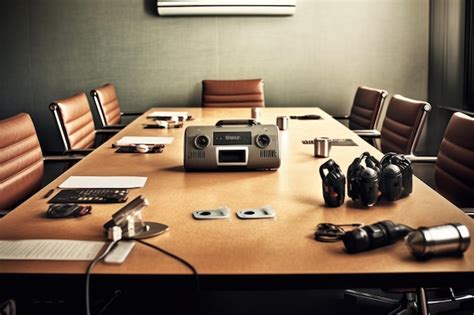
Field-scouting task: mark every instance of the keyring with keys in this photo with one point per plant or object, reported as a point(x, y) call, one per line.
point(329, 232)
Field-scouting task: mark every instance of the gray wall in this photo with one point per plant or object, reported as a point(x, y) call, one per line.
point(54, 48)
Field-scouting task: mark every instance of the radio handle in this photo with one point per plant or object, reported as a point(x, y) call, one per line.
point(234, 122)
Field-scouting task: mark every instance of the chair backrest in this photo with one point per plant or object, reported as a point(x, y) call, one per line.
point(107, 104)
point(366, 108)
point(233, 93)
point(74, 120)
point(454, 171)
point(21, 160)
point(403, 124)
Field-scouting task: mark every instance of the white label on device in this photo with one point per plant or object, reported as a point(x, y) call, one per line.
point(120, 252)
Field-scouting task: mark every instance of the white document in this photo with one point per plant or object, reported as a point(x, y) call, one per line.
point(158, 114)
point(49, 250)
point(103, 182)
point(132, 140)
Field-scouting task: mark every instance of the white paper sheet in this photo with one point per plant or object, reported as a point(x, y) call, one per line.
point(103, 182)
point(158, 114)
point(132, 140)
point(44, 249)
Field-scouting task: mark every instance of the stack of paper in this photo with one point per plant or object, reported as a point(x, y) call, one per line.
point(168, 115)
point(49, 250)
point(103, 182)
point(132, 140)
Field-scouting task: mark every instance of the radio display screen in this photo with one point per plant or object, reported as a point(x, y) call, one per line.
point(232, 156)
point(232, 138)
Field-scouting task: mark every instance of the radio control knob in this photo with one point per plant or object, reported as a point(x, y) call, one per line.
point(201, 141)
point(263, 140)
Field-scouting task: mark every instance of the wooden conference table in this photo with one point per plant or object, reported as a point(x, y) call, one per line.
point(278, 253)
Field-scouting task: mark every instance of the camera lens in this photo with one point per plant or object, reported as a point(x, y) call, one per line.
point(263, 140)
point(201, 141)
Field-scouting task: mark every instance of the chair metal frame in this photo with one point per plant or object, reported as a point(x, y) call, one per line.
point(100, 111)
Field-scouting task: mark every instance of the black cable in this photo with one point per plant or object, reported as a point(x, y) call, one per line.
point(89, 271)
point(181, 260)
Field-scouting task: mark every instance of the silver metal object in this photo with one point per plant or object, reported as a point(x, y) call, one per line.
point(322, 147)
point(265, 212)
point(130, 220)
point(451, 238)
point(256, 113)
point(282, 122)
point(212, 214)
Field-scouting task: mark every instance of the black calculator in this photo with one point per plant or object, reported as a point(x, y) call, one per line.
point(91, 195)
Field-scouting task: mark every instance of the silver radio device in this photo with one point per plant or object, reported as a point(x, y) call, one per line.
point(232, 144)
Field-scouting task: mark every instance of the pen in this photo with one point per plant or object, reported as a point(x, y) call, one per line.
point(49, 193)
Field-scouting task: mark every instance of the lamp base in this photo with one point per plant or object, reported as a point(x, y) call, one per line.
point(152, 229)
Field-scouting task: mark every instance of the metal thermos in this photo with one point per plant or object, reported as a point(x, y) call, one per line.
point(322, 146)
point(451, 238)
point(282, 122)
point(256, 113)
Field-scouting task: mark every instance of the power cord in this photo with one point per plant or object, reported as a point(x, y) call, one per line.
point(89, 271)
point(184, 262)
point(181, 260)
point(112, 245)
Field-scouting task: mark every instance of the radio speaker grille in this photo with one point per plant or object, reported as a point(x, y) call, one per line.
point(196, 155)
point(268, 154)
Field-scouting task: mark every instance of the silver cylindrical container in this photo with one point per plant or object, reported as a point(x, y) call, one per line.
point(256, 113)
point(451, 238)
point(282, 122)
point(322, 147)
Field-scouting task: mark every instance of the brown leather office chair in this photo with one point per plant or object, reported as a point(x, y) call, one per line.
point(108, 107)
point(454, 165)
point(402, 126)
point(21, 161)
point(366, 108)
point(233, 93)
point(76, 126)
point(454, 170)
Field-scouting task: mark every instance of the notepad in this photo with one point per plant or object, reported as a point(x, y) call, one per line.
point(133, 140)
point(168, 115)
point(103, 182)
point(46, 249)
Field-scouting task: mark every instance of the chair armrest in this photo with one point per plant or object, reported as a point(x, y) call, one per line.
point(340, 116)
point(79, 152)
point(62, 158)
point(131, 114)
point(107, 131)
point(421, 159)
point(111, 127)
point(368, 133)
